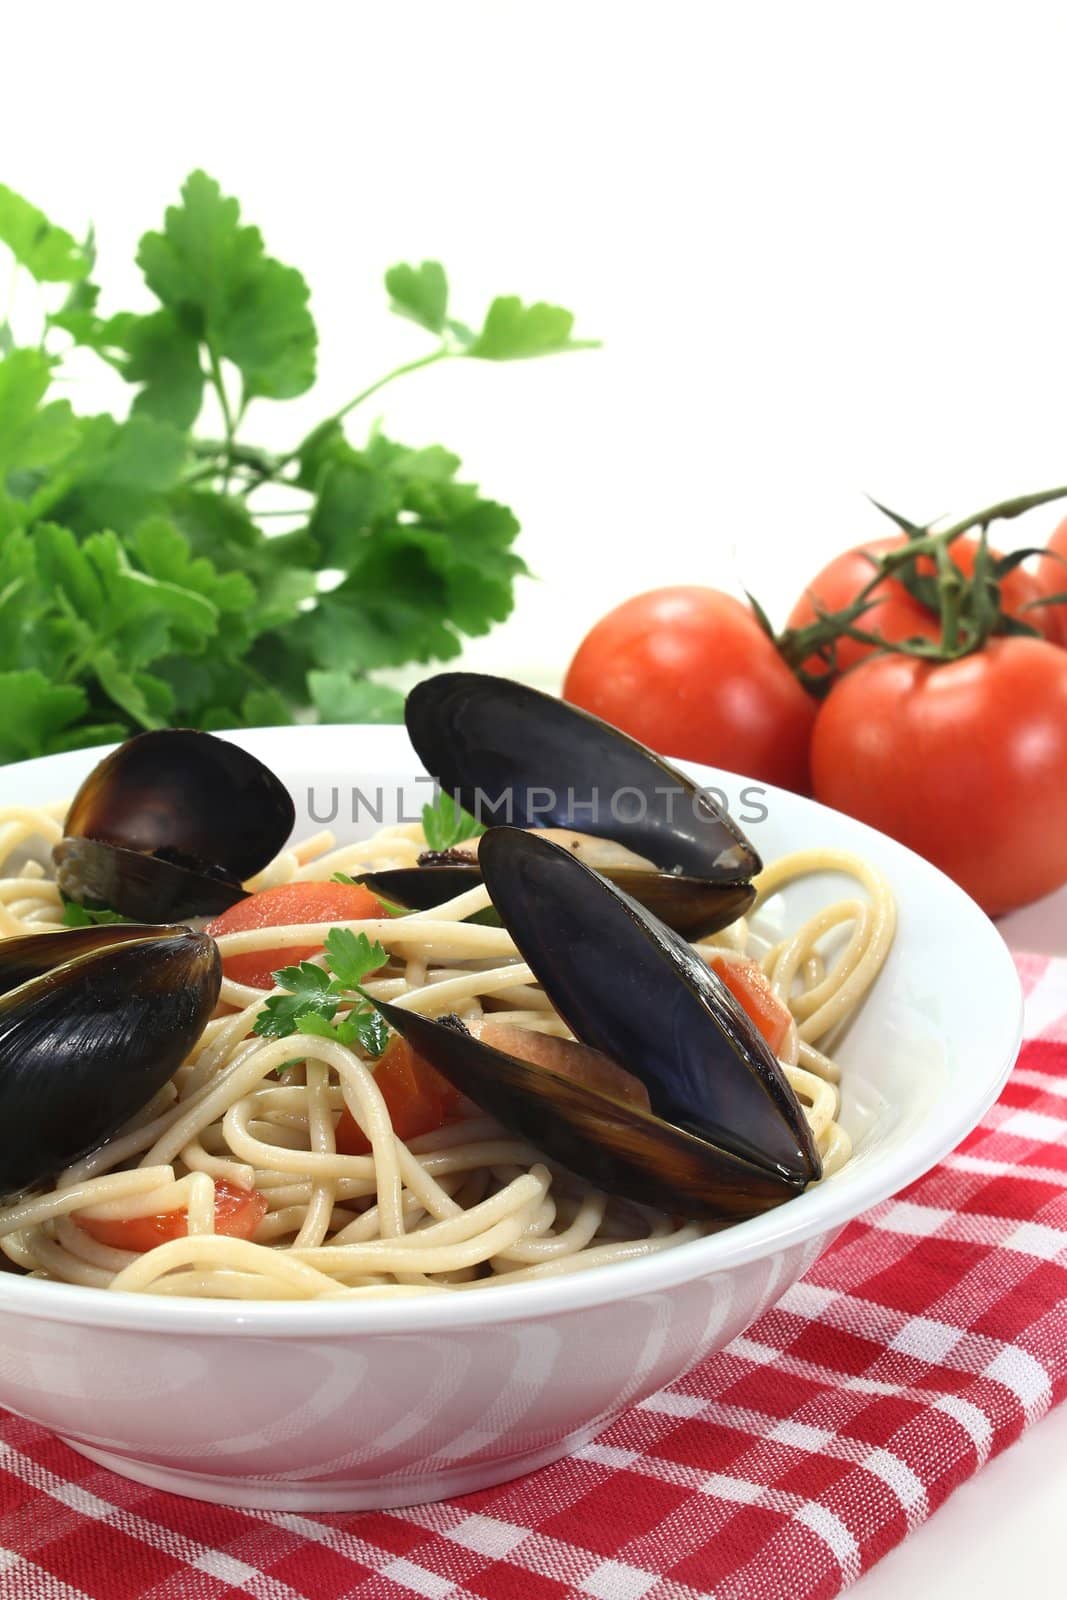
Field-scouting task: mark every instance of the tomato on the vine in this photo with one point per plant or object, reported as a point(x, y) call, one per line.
point(1051, 574)
point(965, 761)
point(690, 672)
point(895, 614)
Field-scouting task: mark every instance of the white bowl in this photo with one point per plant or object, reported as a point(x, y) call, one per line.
point(349, 1406)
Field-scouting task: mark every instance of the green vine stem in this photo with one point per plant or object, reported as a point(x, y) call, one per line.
point(969, 608)
point(220, 458)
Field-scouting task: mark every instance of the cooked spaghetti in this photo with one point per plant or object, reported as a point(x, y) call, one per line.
point(465, 1207)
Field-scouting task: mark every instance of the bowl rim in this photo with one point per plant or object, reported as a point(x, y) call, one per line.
point(821, 1211)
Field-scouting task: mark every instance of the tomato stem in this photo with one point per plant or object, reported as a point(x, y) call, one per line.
point(950, 587)
point(969, 609)
point(1002, 510)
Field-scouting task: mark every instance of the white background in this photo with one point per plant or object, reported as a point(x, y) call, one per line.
point(824, 245)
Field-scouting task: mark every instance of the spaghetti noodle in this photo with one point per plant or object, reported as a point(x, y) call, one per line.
point(461, 1208)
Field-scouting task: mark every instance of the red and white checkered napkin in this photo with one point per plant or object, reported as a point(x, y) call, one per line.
point(926, 1340)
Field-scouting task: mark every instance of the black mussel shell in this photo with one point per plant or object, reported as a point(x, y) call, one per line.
point(169, 826)
point(692, 906)
point(422, 888)
point(618, 1147)
point(85, 1046)
point(513, 755)
point(32, 954)
point(629, 987)
point(139, 886)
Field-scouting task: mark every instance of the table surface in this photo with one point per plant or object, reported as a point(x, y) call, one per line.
point(1002, 1533)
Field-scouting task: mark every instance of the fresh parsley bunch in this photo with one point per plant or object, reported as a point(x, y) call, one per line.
point(142, 580)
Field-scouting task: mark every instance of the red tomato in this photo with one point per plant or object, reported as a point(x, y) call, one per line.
point(896, 614)
point(238, 1213)
point(1051, 574)
point(751, 988)
point(280, 907)
point(964, 761)
point(691, 673)
point(418, 1098)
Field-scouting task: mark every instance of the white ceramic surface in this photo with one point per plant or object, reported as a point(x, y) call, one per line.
point(351, 1406)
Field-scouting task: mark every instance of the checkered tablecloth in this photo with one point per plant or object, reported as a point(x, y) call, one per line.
point(925, 1341)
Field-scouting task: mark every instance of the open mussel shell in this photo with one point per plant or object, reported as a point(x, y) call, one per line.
point(725, 1137)
point(170, 825)
point(512, 755)
point(145, 887)
point(630, 988)
point(422, 888)
point(692, 906)
point(32, 954)
point(499, 745)
point(84, 1046)
point(618, 1147)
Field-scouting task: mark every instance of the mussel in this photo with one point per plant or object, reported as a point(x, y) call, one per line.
point(510, 754)
point(170, 825)
point(724, 1138)
point(33, 954)
point(89, 1037)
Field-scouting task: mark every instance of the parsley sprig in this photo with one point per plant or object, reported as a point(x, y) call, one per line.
point(445, 823)
point(312, 998)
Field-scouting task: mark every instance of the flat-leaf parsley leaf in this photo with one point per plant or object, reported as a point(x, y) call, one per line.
point(445, 823)
point(352, 956)
point(311, 998)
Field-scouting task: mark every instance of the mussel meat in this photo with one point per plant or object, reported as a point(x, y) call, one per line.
point(86, 1043)
point(724, 1138)
point(170, 825)
point(510, 754)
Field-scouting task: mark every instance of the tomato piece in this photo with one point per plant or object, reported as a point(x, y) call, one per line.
point(895, 614)
point(965, 761)
point(1051, 574)
point(238, 1213)
point(751, 988)
point(419, 1099)
point(280, 907)
point(690, 672)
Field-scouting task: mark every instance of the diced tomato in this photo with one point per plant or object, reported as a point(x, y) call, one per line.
point(419, 1099)
point(280, 907)
point(752, 989)
point(238, 1213)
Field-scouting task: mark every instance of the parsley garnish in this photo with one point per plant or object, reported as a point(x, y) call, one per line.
point(363, 1026)
point(352, 956)
point(445, 823)
point(79, 916)
point(312, 998)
